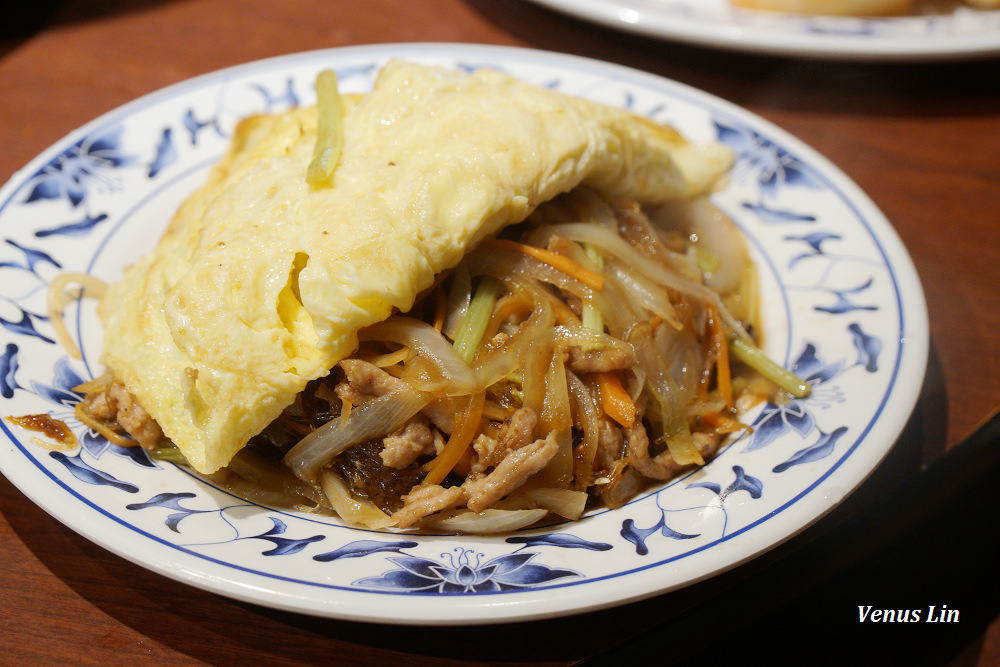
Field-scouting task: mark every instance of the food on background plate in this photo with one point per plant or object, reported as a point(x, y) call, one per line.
point(459, 302)
point(832, 7)
point(846, 7)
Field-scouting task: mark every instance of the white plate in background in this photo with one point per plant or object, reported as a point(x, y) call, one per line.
point(961, 32)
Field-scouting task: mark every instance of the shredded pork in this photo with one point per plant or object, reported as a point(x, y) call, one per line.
point(602, 360)
point(116, 404)
point(414, 439)
point(511, 473)
point(516, 432)
point(425, 500)
point(365, 380)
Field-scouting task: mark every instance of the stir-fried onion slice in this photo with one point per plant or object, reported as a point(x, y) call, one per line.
point(58, 297)
point(371, 419)
point(487, 522)
point(354, 510)
point(670, 398)
point(587, 419)
point(614, 245)
point(458, 378)
point(587, 276)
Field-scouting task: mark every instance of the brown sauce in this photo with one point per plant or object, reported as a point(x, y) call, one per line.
point(46, 425)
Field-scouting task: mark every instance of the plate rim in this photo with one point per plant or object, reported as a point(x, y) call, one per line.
point(534, 607)
point(620, 15)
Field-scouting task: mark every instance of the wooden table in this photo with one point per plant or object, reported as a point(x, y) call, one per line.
point(923, 140)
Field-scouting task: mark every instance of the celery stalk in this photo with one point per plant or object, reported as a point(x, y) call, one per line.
point(477, 317)
point(169, 453)
point(591, 316)
point(329, 130)
point(755, 358)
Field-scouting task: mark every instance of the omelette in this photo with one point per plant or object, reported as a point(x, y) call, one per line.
point(261, 282)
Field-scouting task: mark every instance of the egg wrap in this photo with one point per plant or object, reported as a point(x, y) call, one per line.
point(261, 282)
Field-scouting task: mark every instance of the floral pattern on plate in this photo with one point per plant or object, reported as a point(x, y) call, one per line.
point(843, 309)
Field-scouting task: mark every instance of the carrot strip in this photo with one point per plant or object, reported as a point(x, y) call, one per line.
point(723, 376)
point(568, 266)
point(466, 427)
point(615, 400)
point(722, 424)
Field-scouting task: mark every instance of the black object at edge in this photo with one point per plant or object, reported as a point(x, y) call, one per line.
point(928, 542)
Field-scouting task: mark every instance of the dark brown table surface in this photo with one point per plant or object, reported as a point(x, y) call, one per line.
point(923, 140)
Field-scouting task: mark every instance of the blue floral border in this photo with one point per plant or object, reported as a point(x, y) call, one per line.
point(765, 167)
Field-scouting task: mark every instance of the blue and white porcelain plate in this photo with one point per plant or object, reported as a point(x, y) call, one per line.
point(937, 30)
point(842, 306)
